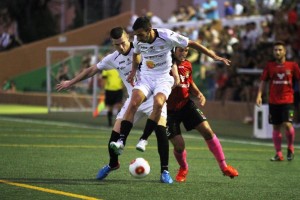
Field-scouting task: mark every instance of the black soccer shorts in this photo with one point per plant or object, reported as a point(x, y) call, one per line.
point(190, 115)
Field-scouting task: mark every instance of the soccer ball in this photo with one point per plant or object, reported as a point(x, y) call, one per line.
point(139, 168)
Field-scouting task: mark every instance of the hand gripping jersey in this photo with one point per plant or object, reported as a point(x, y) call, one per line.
point(180, 94)
point(156, 57)
point(280, 77)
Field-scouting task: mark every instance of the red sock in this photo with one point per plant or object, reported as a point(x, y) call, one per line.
point(181, 159)
point(215, 147)
point(277, 139)
point(290, 137)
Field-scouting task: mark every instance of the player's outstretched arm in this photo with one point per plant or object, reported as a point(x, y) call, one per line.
point(199, 47)
point(86, 73)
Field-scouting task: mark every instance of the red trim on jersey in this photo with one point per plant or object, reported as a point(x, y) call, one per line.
point(280, 77)
point(180, 95)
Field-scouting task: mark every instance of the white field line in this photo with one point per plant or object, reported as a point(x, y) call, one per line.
point(84, 126)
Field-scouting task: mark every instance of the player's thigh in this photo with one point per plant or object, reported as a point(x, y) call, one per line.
point(192, 116)
point(137, 98)
point(164, 86)
point(142, 111)
point(145, 86)
point(281, 113)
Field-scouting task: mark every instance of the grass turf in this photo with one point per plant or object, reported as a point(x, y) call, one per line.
point(59, 160)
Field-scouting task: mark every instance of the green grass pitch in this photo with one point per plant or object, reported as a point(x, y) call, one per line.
point(48, 159)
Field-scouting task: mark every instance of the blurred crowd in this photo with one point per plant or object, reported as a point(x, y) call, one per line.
point(247, 45)
point(8, 31)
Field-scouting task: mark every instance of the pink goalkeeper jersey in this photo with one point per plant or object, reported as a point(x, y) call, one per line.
point(280, 77)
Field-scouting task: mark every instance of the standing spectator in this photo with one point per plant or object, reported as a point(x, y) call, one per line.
point(238, 9)
point(210, 8)
point(280, 74)
point(113, 87)
point(155, 20)
point(228, 9)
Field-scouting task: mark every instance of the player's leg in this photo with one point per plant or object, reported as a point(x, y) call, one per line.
point(163, 150)
point(174, 134)
point(215, 147)
point(200, 123)
point(136, 100)
point(161, 91)
point(290, 137)
point(113, 157)
point(151, 123)
point(289, 130)
point(275, 118)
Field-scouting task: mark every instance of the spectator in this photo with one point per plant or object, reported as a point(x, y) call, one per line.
point(210, 8)
point(155, 20)
point(228, 9)
point(238, 9)
point(8, 31)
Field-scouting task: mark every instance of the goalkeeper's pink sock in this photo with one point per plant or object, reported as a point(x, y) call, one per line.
point(215, 147)
point(290, 137)
point(277, 138)
point(181, 159)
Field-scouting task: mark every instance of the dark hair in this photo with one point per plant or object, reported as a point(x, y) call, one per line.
point(116, 32)
point(276, 43)
point(142, 22)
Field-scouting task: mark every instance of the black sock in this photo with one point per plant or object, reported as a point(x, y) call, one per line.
point(109, 117)
point(163, 147)
point(125, 129)
point(113, 158)
point(149, 128)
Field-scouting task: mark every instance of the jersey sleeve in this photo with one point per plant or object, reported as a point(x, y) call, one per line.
point(106, 63)
point(176, 39)
point(265, 75)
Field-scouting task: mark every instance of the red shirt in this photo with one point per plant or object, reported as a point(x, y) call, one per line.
point(180, 94)
point(280, 77)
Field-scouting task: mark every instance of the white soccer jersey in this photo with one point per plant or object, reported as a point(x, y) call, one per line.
point(123, 63)
point(156, 57)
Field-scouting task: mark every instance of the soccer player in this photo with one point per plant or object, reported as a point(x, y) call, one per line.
point(280, 74)
point(121, 60)
point(113, 92)
point(154, 46)
point(181, 109)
